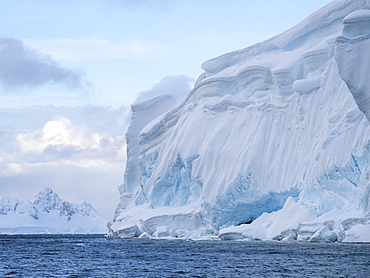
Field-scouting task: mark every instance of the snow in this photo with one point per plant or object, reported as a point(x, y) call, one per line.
point(249, 232)
point(156, 222)
point(48, 214)
point(145, 235)
point(306, 85)
point(353, 57)
point(290, 217)
point(125, 229)
point(358, 233)
point(297, 222)
point(275, 224)
point(162, 231)
point(357, 16)
point(357, 24)
point(276, 135)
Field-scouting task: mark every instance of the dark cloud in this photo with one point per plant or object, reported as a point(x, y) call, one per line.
point(23, 67)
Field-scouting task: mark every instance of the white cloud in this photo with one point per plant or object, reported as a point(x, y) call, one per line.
point(79, 152)
point(8, 169)
point(59, 132)
point(78, 50)
point(59, 139)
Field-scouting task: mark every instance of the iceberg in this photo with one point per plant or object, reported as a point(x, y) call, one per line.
point(271, 143)
point(49, 214)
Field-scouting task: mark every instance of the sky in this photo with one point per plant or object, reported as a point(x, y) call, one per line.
point(69, 71)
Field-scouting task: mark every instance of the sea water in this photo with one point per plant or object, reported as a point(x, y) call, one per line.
point(96, 256)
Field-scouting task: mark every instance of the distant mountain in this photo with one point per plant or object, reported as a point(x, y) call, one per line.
point(48, 214)
point(276, 134)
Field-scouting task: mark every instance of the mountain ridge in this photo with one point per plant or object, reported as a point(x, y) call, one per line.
point(48, 214)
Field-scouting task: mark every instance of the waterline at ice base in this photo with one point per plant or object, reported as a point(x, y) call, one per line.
point(272, 143)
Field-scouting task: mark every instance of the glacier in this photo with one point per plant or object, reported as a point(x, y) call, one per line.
point(49, 214)
point(271, 143)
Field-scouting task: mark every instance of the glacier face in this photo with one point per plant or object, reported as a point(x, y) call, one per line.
point(48, 214)
point(286, 118)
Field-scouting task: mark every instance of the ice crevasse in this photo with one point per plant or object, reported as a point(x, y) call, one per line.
point(271, 143)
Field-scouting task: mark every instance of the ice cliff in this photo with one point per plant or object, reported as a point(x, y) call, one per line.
point(273, 138)
point(48, 214)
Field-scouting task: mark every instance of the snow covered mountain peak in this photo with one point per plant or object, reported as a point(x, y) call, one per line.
point(48, 200)
point(270, 132)
point(48, 214)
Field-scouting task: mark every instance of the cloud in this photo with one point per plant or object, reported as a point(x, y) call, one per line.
point(174, 85)
point(59, 139)
point(79, 152)
point(58, 132)
point(78, 50)
point(21, 67)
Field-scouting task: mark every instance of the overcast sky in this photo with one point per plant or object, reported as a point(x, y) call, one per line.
point(69, 71)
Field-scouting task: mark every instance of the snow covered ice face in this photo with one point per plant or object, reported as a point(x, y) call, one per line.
point(274, 131)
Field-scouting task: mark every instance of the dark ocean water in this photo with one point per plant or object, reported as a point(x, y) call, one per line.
point(92, 256)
